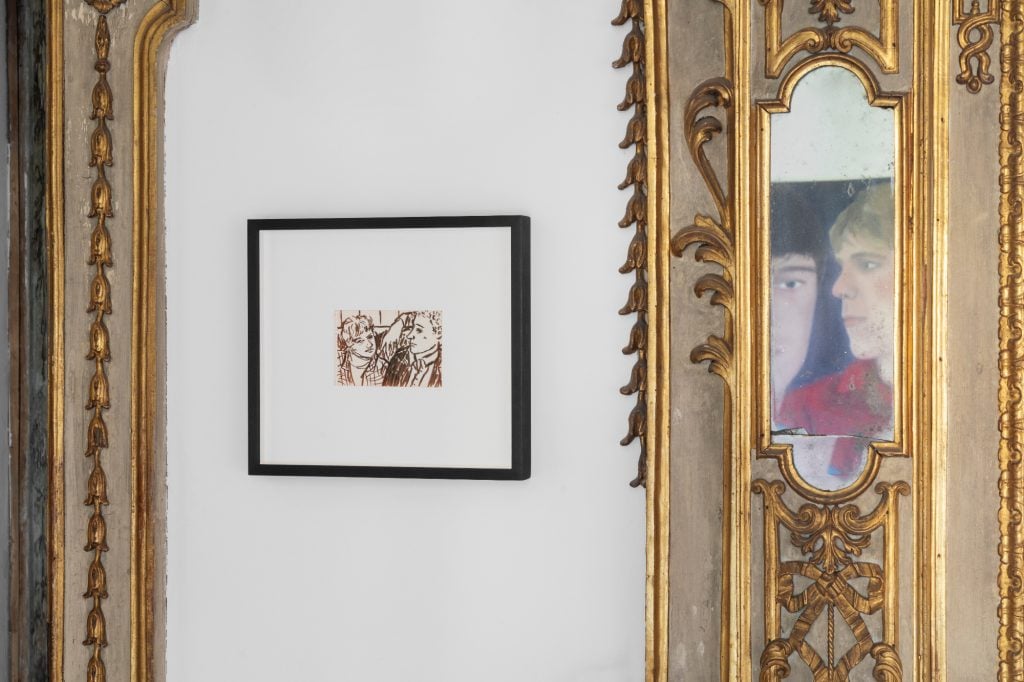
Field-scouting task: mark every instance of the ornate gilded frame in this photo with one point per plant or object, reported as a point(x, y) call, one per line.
point(141, 57)
point(724, 107)
point(903, 442)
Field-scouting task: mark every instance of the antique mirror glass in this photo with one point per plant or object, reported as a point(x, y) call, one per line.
point(832, 225)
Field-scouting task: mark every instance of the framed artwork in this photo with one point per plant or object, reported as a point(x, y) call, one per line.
point(390, 347)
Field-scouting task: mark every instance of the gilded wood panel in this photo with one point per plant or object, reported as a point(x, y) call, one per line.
point(918, 580)
point(697, 397)
point(106, 76)
point(1011, 345)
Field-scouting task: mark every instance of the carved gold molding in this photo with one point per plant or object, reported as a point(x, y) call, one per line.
point(161, 23)
point(714, 237)
point(975, 37)
point(930, 91)
point(633, 53)
point(645, 48)
point(718, 239)
point(831, 539)
point(104, 6)
point(929, 193)
point(161, 20)
point(715, 242)
point(904, 385)
point(55, 261)
point(728, 238)
point(883, 48)
point(1011, 345)
point(97, 435)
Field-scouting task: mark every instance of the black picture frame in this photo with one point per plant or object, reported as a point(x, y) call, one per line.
point(519, 255)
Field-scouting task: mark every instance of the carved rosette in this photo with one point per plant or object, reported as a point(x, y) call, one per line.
point(1011, 345)
point(632, 12)
point(100, 256)
point(975, 35)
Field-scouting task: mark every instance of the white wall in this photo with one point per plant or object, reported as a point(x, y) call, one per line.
point(352, 108)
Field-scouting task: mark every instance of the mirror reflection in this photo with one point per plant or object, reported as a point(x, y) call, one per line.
point(833, 274)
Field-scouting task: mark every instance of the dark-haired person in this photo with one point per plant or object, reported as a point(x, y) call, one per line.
point(798, 255)
point(417, 362)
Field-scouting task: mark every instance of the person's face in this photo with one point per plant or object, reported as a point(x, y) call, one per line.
point(422, 337)
point(793, 297)
point(364, 345)
point(865, 287)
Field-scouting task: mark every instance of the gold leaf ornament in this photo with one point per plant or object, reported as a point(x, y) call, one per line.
point(97, 533)
point(96, 671)
point(104, 6)
point(887, 664)
point(97, 581)
point(634, 53)
point(97, 490)
point(828, 11)
point(96, 628)
point(97, 435)
point(775, 660)
point(631, 9)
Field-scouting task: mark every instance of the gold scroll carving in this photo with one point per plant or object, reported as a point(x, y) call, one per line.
point(882, 47)
point(712, 235)
point(831, 538)
point(975, 36)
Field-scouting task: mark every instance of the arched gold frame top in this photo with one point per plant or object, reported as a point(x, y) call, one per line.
point(783, 453)
point(876, 96)
point(883, 48)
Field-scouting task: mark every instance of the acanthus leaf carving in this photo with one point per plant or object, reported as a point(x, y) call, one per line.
point(828, 11)
point(633, 53)
point(713, 238)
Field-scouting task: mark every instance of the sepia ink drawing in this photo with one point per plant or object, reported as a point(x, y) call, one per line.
point(388, 348)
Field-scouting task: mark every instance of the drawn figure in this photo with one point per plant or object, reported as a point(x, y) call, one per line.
point(417, 361)
point(359, 360)
point(857, 401)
